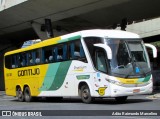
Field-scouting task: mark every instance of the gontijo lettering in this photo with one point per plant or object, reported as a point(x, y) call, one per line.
point(29, 72)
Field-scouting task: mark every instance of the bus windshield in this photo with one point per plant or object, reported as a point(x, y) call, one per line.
point(129, 58)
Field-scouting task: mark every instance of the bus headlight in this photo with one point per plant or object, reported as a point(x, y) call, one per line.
point(114, 82)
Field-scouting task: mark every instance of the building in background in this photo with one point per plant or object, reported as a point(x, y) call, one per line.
point(5, 4)
point(30, 42)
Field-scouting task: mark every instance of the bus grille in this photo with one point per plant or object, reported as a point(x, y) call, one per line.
point(135, 85)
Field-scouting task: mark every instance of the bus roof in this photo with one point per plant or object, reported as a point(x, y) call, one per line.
point(109, 33)
point(76, 35)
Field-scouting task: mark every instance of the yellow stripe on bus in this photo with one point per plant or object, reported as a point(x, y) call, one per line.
point(128, 81)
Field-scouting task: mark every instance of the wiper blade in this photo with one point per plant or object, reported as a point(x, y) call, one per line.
point(136, 69)
point(135, 61)
point(126, 76)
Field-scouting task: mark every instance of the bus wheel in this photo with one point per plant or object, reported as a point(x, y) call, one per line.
point(121, 99)
point(19, 94)
point(27, 94)
point(85, 94)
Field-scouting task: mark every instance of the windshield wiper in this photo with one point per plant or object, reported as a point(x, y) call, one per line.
point(126, 76)
point(134, 64)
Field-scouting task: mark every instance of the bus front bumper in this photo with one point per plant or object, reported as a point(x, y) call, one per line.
point(117, 91)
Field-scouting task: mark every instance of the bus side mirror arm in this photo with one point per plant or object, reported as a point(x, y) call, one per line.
point(106, 48)
point(154, 49)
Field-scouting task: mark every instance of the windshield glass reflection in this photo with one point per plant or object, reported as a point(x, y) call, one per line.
point(129, 58)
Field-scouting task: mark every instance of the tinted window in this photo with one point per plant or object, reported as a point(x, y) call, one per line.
point(47, 54)
point(101, 63)
point(76, 50)
point(57, 53)
point(8, 62)
point(90, 41)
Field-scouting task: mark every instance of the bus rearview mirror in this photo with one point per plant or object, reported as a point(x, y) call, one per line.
point(106, 48)
point(154, 49)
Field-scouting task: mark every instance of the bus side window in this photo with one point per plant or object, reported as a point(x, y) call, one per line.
point(55, 52)
point(30, 58)
point(47, 56)
point(19, 60)
point(50, 58)
point(37, 56)
point(8, 62)
point(13, 61)
point(71, 51)
point(82, 54)
point(90, 41)
point(76, 51)
point(65, 52)
point(101, 63)
point(75, 54)
point(23, 59)
point(16, 61)
point(60, 53)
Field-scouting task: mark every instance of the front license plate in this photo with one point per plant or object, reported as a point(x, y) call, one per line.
point(136, 90)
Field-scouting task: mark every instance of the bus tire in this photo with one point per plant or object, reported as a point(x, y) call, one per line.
point(85, 94)
point(121, 99)
point(19, 94)
point(27, 94)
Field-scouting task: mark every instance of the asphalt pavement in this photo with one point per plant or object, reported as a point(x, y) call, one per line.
point(74, 106)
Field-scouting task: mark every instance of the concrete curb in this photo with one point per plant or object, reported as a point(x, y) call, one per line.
point(154, 96)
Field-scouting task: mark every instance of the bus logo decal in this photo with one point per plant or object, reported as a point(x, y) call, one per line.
point(101, 90)
point(98, 75)
point(28, 72)
point(79, 68)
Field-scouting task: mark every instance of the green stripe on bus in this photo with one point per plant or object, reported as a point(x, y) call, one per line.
point(55, 76)
point(74, 38)
point(60, 75)
point(50, 75)
point(140, 80)
point(69, 39)
point(147, 78)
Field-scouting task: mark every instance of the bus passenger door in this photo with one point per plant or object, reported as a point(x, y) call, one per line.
point(101, 64)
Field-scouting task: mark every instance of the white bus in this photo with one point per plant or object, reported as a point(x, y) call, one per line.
point(90, 64)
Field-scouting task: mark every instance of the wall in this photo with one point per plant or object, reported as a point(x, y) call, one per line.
point(146, 28)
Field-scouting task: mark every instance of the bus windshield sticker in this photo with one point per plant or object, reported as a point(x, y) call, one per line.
point(98, 74)
point(137, 70)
